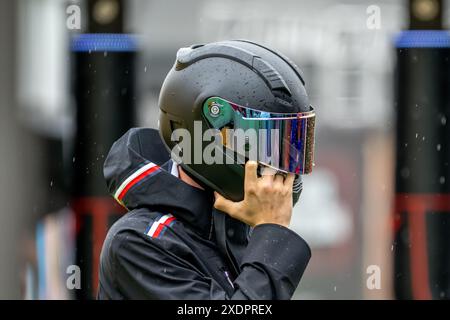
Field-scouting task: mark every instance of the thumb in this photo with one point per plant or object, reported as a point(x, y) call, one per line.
point(224, 204)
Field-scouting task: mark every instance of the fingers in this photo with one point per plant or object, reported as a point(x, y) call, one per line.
point(289, 180)
point(267, 177)
point(225, 205)
point(279, 180)
point(268, 171)
point(250, 174)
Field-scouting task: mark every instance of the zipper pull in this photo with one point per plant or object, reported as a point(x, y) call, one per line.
point(227, 275)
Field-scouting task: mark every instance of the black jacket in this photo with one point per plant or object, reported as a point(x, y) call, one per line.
point(172, 244)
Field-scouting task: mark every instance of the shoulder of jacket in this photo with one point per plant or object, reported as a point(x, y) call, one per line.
point(143, 223)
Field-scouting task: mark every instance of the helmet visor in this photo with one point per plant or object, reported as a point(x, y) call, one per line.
point(283, 141)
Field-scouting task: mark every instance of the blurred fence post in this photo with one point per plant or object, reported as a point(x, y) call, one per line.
point(422, 206)
point(103, 68)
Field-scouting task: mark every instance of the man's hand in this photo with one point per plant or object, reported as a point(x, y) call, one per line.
point(267, 199)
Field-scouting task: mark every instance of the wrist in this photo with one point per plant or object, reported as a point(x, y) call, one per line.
point(271, 221)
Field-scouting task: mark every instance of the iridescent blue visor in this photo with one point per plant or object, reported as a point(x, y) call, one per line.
point(283, 141)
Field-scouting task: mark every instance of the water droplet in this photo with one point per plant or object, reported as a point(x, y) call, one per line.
point(442, 180)
point(417, 135)
point(51, 183)
point(443, 120)
point(438, 147)
point(73, 159)
point(145, 69)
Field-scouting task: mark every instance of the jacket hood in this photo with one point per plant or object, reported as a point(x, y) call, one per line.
point(138, 174)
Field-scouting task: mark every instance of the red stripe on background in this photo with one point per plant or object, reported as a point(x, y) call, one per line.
point(416, 206)
point(136, 180)
point(161, 226)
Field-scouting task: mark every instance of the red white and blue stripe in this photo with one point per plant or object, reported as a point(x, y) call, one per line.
point(140, 174)
point(158, 227)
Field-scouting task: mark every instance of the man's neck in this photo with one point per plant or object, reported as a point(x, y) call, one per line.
point(183, 176)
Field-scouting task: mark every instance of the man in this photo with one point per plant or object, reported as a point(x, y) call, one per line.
point(203, 229)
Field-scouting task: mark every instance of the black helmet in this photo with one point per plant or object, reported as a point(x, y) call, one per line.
point(237, 84)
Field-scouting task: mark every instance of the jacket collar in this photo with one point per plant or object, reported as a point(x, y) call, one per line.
point(138, 174)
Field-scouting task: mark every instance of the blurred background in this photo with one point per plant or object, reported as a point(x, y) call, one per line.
point(63, 103)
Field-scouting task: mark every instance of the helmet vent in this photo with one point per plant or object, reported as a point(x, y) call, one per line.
point(282, 56)
point(270, 75)
point(187, 56)
point(283, 97)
